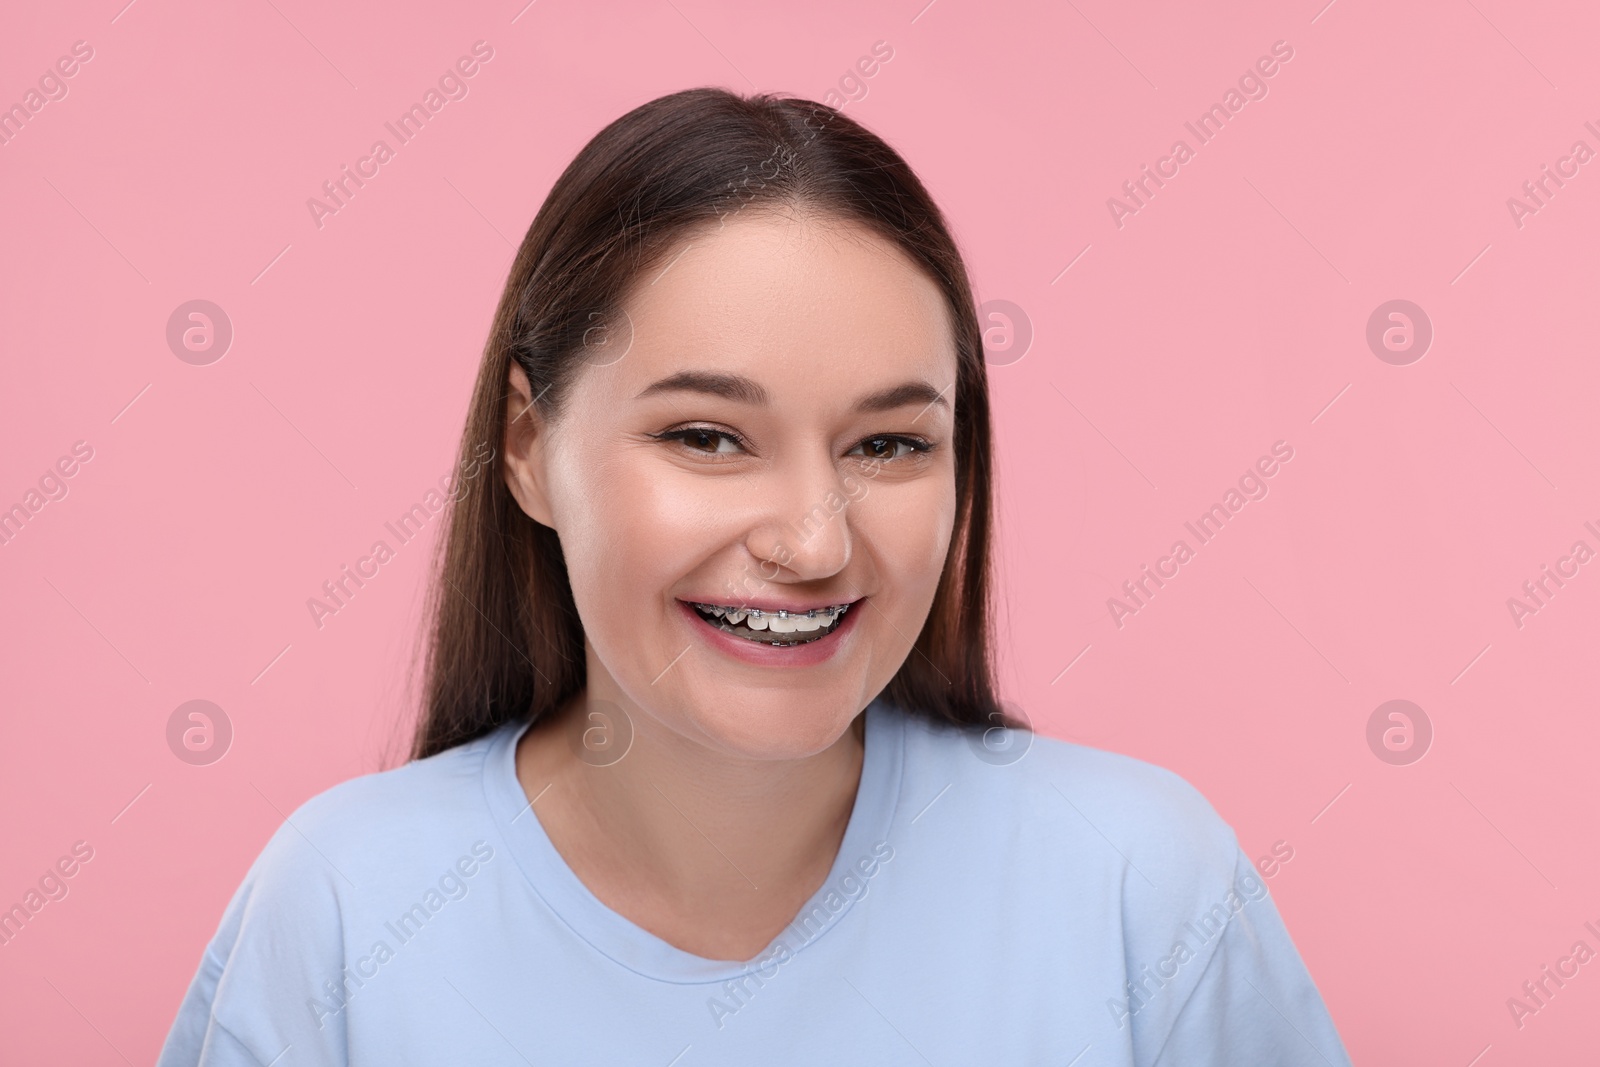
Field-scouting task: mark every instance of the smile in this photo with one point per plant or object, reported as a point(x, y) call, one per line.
point(780, 629)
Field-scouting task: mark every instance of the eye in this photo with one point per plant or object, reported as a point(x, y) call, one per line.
point(887, 448)
point(704, 439)
point(709, 441)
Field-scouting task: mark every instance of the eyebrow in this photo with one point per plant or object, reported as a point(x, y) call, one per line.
point(745, 391)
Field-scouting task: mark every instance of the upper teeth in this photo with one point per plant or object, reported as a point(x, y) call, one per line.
point(781, 621)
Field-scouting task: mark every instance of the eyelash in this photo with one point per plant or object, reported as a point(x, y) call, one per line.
point(917, 445)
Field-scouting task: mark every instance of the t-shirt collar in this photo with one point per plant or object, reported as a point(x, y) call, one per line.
point(637, 949)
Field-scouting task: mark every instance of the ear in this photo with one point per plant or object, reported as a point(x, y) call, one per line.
point(526, 441)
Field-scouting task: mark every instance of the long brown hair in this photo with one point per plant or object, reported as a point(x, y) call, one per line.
point(505, 642)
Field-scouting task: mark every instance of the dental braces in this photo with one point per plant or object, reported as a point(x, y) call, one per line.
point(781, 613)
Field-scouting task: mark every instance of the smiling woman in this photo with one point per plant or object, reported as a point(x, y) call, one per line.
point(736, 406)
point(711, 649)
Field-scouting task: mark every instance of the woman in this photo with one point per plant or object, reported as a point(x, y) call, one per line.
point(711, 768)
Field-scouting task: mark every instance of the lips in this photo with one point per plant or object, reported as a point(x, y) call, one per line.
point(775, 627)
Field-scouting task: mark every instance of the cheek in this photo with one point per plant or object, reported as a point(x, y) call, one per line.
point(629, 532)
point(909, 528)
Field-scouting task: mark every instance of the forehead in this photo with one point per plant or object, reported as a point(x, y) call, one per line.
point(807, 306)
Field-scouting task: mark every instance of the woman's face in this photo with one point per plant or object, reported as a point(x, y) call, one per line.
point(756, 445)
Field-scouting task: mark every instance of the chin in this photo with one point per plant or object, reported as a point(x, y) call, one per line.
point(782, 726)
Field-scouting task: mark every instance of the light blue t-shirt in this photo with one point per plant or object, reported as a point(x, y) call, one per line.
point(1072, 906)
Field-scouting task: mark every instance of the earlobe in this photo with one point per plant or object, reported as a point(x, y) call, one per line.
point(524, 451)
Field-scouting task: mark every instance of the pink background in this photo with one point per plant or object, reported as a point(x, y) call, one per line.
point(1229, 313)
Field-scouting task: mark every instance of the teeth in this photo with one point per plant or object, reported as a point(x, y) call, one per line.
point(827, 614)
point(781, 621)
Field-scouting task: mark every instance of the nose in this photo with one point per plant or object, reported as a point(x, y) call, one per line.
point(803, 532)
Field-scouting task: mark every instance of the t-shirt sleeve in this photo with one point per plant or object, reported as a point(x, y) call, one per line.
point(267, 991)
point(1255, 1002)
point(195, 1036)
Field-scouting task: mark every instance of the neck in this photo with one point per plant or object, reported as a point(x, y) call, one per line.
point(712, 852)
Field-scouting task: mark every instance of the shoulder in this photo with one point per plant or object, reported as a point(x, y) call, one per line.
point(273, 974)
point(1052, 790)
point(1121, 863)
point(1119, 792)
point(380, 818)
point(345, 849)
